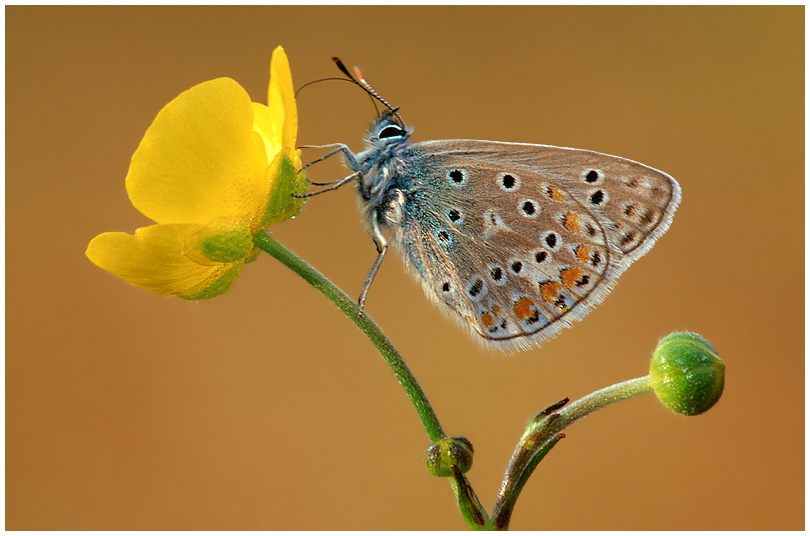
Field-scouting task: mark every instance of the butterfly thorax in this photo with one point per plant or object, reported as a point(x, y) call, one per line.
point(380, 166)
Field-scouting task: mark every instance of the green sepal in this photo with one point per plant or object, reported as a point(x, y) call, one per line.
point(218, 286)
point(226, 245)
point(286, 181)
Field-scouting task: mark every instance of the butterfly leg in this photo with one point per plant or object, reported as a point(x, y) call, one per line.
point(382, 247)
point(351, 160)
point(335, 185)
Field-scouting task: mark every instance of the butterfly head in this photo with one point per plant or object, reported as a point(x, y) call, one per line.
point(387, 131)
point(385, 140)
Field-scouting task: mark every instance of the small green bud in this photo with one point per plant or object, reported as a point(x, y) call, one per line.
point(442, 455)
point(686, 373)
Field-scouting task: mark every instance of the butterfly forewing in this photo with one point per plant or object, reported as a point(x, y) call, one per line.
point(634, 201)
point(515, 241)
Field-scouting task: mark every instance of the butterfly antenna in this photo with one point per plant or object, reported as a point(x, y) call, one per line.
point(360, 80)
point(297, 91)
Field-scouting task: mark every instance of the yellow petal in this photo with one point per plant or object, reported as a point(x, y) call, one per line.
point(152, 259)
point(200, 159)
point(268, 125)
point(277, 122)
point(281, 95)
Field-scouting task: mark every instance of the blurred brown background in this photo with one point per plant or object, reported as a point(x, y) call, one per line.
point(266, 409)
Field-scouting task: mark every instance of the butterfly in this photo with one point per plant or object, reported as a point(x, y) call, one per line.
point(514, 241)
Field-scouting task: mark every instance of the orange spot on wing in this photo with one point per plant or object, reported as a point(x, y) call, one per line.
point(583, 253)
point(555, 194)
point(487, 320)
point(524, 308)
point(570, 276)
point(571, 222)
point(549, 291)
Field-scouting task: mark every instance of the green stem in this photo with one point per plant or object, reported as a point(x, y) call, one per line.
point(599, 399)
point(502, 513)
point(468, 502)
point(543, 432)
point(366, 325)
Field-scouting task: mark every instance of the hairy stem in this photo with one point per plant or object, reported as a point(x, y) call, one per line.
point(544, 431)
point(366, 325)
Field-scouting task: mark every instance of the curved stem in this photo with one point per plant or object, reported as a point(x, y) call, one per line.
point(366, 325)
point(599, 399)
point(468, 502)
point(544, 431)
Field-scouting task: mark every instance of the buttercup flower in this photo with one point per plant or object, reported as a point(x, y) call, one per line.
point(212, 170)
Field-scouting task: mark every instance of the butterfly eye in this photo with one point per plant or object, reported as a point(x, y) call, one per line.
point(391, 131)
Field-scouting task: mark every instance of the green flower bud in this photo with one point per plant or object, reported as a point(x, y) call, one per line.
point(447, 452)
point(686, 373)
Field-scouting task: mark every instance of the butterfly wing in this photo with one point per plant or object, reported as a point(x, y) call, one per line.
point(516, 241)
point(625, 195)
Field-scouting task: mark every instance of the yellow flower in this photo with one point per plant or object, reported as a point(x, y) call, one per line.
point(212, 170)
